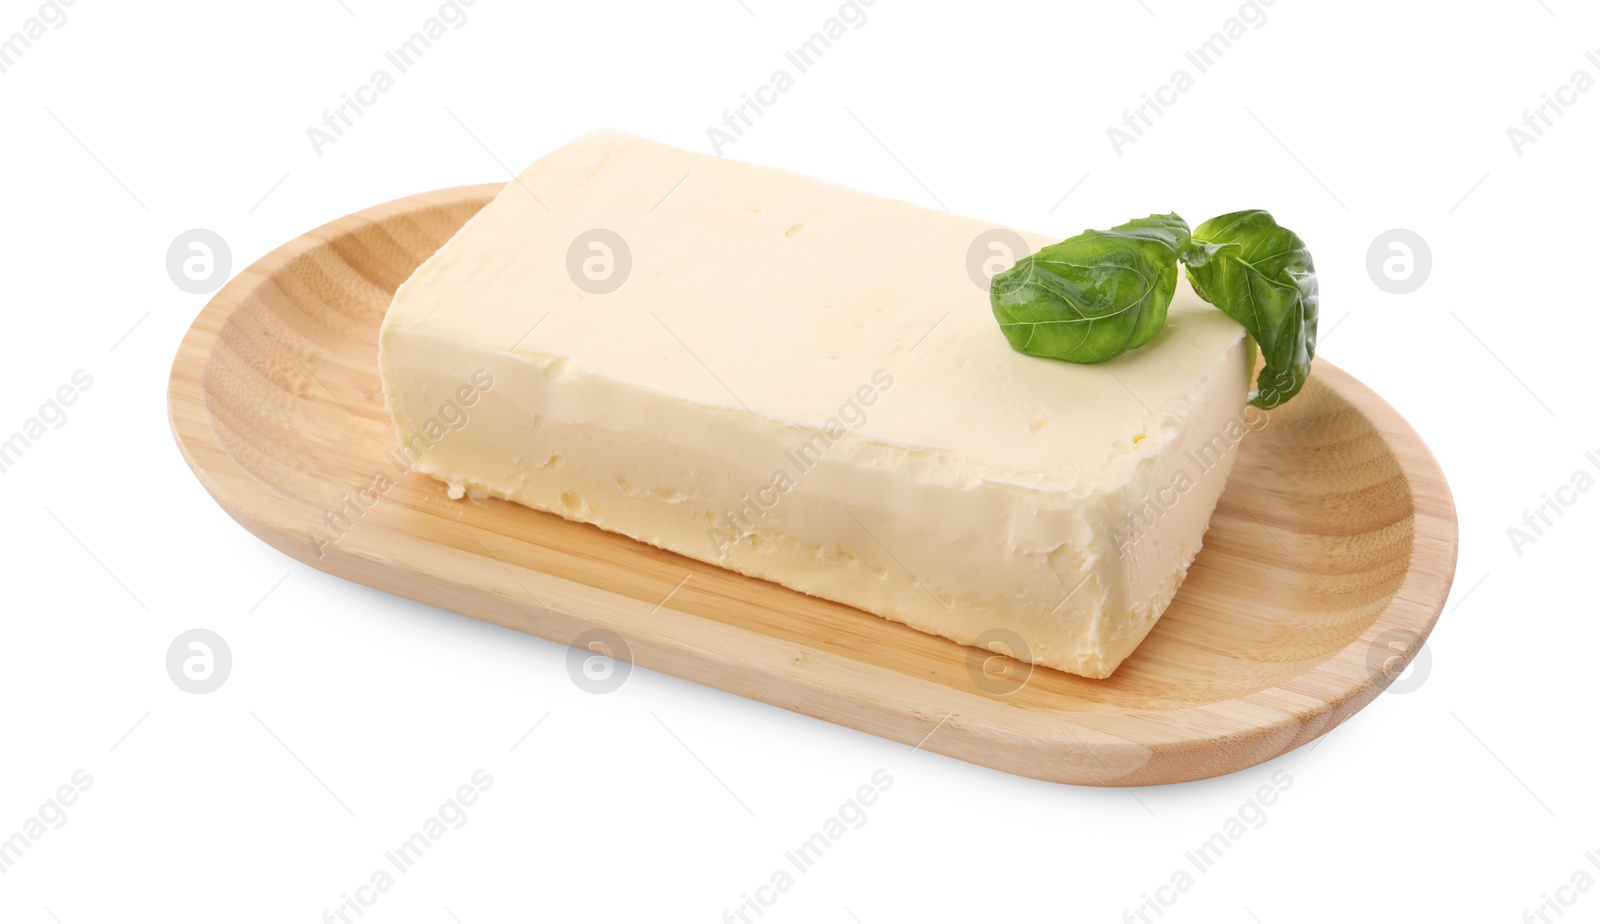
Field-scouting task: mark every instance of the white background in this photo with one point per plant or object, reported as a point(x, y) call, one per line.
point(351, 715)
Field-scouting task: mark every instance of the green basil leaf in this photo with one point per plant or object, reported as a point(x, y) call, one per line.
point(1260, 274)
point(1093, 296)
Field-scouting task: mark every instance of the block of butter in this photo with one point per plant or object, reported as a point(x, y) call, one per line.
point(805, 384)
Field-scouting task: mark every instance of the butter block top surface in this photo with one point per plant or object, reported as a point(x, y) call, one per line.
point(760, 291)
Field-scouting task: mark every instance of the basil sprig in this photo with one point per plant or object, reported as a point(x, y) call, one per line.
point(1099, 294)
point(1093, 296)
point(1260, 274)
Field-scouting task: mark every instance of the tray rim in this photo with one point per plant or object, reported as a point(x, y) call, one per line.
point(985, 722)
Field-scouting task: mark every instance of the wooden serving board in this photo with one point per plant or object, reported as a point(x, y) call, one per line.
point(1326, 566)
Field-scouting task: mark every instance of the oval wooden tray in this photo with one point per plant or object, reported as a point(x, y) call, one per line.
point(1327, 563)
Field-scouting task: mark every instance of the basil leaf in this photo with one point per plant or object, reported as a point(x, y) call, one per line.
point(1260, 274)
point(1093, 296)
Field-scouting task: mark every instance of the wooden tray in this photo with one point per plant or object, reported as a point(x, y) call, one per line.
point(1328, 560)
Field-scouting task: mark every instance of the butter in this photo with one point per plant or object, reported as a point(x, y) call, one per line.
point(801, 383)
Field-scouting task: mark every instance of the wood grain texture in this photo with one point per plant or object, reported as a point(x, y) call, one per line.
point(1327, 563)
